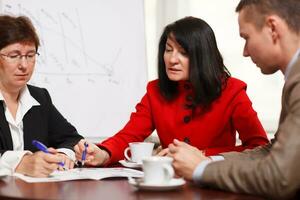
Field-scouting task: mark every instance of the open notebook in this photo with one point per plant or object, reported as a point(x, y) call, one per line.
point(84, 173)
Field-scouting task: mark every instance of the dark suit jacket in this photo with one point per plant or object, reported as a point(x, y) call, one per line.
point(273, 170)
point(43, 123)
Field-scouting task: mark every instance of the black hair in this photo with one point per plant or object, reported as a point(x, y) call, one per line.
point(207, 73)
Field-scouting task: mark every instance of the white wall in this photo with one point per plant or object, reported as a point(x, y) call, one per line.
point(264, 91)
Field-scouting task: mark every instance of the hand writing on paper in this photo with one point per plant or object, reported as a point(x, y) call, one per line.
point(39, 164)
point(94, 155)
point(186, 158)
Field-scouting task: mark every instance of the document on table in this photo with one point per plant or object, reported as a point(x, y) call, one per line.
point(84, 173)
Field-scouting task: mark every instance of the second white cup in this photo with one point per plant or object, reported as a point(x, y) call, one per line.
point(158, 170)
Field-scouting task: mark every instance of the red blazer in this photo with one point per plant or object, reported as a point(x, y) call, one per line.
point(213, 131)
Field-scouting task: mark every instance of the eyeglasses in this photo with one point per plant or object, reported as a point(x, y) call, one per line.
point(17, 58)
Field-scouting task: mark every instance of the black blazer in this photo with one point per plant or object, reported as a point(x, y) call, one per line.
point(43, 123)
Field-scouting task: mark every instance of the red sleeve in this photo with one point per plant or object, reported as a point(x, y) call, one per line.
point(247, 124)
point(137, 129)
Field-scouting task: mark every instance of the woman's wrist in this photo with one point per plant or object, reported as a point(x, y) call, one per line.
point(105, 157)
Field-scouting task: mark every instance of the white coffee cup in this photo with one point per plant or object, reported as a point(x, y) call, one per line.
point(138, 151)
point(158, 170)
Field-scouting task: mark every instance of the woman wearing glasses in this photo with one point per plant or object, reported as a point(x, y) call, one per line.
point(26, 111)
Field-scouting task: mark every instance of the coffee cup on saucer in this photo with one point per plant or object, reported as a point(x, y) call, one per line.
point(158, 170)
point(138, 151)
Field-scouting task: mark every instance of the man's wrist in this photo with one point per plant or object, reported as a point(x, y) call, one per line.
point(217, 158)
point(198, 172)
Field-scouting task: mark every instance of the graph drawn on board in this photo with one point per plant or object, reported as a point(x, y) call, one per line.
point(92, 58)
point(73, 54)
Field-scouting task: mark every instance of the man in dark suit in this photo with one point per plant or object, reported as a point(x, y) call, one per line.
point(271, 29)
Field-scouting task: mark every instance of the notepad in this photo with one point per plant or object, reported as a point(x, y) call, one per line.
point(83, 173)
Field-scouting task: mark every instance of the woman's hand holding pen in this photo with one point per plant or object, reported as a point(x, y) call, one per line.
point(65, 162)
point(39, 164)
point(94, 155)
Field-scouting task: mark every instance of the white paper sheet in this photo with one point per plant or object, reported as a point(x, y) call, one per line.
point(84, 173)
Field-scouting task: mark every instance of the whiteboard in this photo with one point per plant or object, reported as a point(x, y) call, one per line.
point(92, 58)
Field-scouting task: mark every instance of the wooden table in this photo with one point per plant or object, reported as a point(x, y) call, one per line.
point(115, 189)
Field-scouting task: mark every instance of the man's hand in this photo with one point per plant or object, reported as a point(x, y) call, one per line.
point(94, 155)
point(186, 158)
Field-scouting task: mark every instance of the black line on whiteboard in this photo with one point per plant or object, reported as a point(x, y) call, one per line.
point(63, 38)
point(48, 15)
point(81, 37)
point(94, 66)
point(42, 33)
point(115, 60)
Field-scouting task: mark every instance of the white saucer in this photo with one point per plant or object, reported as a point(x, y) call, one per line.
point(173, 184)
point(129, 164)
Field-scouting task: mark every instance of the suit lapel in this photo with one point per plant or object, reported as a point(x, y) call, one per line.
point(293, 78)
point(5, 135)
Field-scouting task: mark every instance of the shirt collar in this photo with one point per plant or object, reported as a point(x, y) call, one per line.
point(291, 63)
point(26, 101)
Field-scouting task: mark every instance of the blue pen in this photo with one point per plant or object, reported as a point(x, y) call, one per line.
point(83, 157)
point(44, 149)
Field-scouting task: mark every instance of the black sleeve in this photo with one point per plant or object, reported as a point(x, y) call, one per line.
point(62, 134)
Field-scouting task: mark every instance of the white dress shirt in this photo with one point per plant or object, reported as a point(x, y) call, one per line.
point(11, 159)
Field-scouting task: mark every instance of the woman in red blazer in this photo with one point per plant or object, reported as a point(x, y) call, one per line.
point(194, 100)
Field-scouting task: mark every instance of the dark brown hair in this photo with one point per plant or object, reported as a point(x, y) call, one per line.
point(288, 10)
point(17, 29)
